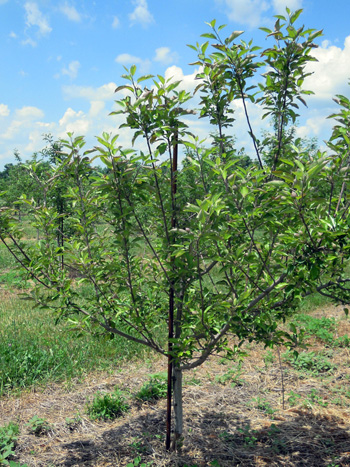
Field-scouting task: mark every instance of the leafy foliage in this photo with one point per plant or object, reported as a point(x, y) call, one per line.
point(8, 440)
point(107, 406)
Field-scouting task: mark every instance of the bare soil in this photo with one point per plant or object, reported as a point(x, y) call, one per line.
point(233, 418)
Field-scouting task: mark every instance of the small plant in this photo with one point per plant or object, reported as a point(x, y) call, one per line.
point(269, 358)
point(107, 406)
point(264, 406)
point(314, 398)
point(137, 446)
point(8, 439)
point(249, 436)
point(311, 362)
point(137, 463)
point(154, 389)
point(231, 376)
point(293, 398)
point(38, 426)
point(73, 423)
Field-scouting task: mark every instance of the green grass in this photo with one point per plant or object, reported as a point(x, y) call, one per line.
point(33, 350)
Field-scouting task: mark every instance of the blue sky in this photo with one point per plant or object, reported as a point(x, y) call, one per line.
point(62, 60)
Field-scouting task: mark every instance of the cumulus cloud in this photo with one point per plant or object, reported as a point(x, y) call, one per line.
point(70, 12)
point(188, 82)
point(248, 12)
point(24, 118)
point(74, 122)
point(102, 93)
point(127, 59)
point(34, 17)
point(72, 69)
point(116, 22)
point(331, 72)
point(165, 56)
point(141, 14)
point(280, 5)
point(4, 110)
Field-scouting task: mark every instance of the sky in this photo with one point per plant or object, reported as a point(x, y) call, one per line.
point(61, 61)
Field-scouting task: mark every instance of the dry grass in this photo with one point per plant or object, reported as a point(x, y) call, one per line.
point(235, 421)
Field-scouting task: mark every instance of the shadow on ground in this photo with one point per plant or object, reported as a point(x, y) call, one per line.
point(302, 440)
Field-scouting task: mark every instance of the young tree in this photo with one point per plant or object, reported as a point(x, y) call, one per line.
point(235, 255)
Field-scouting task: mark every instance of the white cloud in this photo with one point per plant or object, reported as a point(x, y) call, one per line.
point(96, 108)
point(141, 14)
point(331, 73)
point(70, 12)
point(72, 69)
point(75, 122)
point(116, 22)
point(29, 41)
point(13, 35)
point(102, 93)
point(165, 56)
point(29, 113)
point(24, 119)
point(314, 126)
point(248, 12)
point(4, 110)
point(188, 82)
point(127, 59)
point(34, 17)
point(280, 5)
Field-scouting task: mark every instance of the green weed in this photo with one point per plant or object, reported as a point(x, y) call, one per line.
point(269, 358)
point(107, 406)
point(8, 439)
point(310, 362)
point(38, 426)
point(293, 398)
point(154, 389)
point(231, 376)
point(137, 463)
point(263, 405)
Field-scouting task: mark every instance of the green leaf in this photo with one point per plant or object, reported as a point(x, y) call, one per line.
point(209, 35)
point(295, 15)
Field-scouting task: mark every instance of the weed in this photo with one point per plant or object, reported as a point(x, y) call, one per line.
point(137, 463)
point(154, 389)
point(8, 439)
point(293, 398)
point(73, 423)
point(343, 341)
point(107, 406)
point(38, 426)
point(138, 446)
point(249, 436)
point(310, 362)
point(314, 398)
point(269, 358)
point(231, 376)
point(263, 405)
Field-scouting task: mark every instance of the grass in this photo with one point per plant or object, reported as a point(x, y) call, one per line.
point(33, 350)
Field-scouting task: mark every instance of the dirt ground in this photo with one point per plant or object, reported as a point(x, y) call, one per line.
point(232, 416)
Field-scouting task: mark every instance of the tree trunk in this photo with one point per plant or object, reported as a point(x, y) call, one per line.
point(178, 410)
